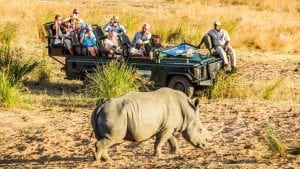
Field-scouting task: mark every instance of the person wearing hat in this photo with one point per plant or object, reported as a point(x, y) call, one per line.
point(88, 40)
point(143, 35)
point(114, 25)
point(221, 41)
point(138, 49)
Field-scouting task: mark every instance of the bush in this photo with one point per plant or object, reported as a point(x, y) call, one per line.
point(269, 90)
point(44, 71)
point(7, 33)
point(13, 69)
point(273, 141)
point(8, 94)
point(14, 66)
point(226, 87)
point(112, 80)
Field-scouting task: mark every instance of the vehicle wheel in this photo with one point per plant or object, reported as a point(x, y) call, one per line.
point(183, 84)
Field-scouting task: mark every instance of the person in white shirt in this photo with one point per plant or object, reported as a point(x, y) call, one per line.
point(111, 45)
point(143, 35)
point(114, 25)
point(221, 41)
point(138, 49)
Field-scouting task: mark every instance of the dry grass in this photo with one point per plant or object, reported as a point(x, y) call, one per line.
point(263, 25)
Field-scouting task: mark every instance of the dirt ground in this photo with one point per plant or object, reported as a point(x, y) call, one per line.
point(55, 131)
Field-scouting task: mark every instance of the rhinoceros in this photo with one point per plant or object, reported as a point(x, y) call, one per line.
point(137, 116)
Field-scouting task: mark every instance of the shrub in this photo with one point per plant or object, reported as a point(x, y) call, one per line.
point(14, 66)
point(13, 69)
point(273, 141)
point(269, 90)
point(112, 80)
point(44, 70)
point(7, 33)
point(8, 94)
point(226, 87)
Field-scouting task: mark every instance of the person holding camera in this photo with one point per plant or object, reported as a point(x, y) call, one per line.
point(114, 25)
point(88, 40)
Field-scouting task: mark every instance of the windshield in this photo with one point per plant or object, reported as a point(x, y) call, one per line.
point(179, 50)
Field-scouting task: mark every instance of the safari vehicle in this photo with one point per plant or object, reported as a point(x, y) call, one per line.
point(179, 67)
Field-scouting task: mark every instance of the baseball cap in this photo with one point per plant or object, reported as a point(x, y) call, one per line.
point(140, 42)
point(218, 23)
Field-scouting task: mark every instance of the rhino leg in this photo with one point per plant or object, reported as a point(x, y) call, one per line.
point(173, 143)
point(160, 140)
point(101, 149)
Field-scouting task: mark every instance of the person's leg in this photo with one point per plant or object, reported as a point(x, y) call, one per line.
point(232, 56)
point(96, 50)
point(68, 44)
point(92, 51)
point(222, 54)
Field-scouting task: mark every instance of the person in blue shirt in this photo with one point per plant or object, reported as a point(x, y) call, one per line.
point(88, 40)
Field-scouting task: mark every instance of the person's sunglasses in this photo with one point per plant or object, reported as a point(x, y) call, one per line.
point(77, 13)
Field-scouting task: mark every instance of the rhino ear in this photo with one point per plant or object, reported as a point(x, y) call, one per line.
point(196, 102)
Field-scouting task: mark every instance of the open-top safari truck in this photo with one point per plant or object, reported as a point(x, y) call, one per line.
point(179, 67)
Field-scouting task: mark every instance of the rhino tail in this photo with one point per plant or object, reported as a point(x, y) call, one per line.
point(94, 118)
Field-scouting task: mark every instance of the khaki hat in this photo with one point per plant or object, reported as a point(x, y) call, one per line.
point(140, 42)
point(115, 18)
point(218, 23)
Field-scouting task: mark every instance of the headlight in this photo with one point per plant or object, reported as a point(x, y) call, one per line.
point(197, 72)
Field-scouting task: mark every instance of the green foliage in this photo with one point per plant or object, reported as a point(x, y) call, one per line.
point(112, 80)
point(273, 141)
point(14, 66)
point(9, 94)
point(226, 86)
point(7, 33)
point(269, 90)
point(13, 69)
point(130, 22)
point(42, 19)
point(231, 25)
point(44, 70)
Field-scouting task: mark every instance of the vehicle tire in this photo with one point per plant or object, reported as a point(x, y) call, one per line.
point(181, 83)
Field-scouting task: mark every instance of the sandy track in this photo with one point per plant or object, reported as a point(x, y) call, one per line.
point(61, 139)
point(58, 135)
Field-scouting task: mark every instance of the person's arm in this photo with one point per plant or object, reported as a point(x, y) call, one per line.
point(106, 27)
point(226, 45)
point(201, 42)
point(227, 40)
point(81, 38)
point(66, 19)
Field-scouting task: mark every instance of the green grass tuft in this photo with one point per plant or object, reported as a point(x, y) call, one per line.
point(112, 80)
point(226, 87)
point(9, 94)
point(272, 140)
point(269, 90)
